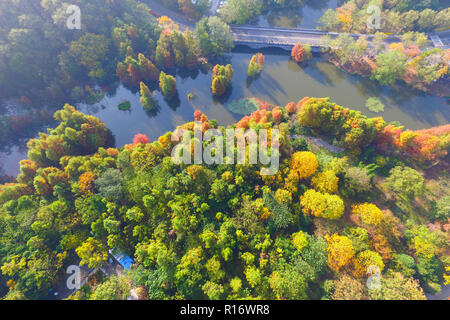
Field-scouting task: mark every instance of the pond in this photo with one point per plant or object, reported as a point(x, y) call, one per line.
point(306, 16)
point(281, 82)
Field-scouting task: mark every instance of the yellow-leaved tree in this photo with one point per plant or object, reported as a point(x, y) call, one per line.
point(299, 240)
point(325, 182)
point(367, 262)
point(92, 252)
point(304, 164)
point(368, 213)
point(340, 251)
point(322, 205)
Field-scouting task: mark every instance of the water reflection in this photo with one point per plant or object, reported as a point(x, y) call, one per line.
point(281, 82)
point(302, 17)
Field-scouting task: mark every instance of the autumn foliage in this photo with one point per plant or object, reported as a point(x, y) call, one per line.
point(326, 181)
point(301, 53)
point(132, 71)
point(304, 164)
point(365, 262)
point(140, 138)
point(86, 183)
point(221, 79)
point(256, 65)
point(322, 205)
point(368, 213)
point(422, 145)
point(340, 251)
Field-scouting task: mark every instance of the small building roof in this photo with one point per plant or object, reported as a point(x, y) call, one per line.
point(124, 259)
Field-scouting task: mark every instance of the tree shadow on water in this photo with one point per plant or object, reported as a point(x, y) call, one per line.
point(185, 73)
point(173, 102)
point(223, 99)
point(250, 79)
point(154, 112)
point(313, 70)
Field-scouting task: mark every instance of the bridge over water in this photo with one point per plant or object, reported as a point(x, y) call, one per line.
point(260, 37)
point(285, 38)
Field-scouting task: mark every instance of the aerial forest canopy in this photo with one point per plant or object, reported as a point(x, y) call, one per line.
point(225, 231)
point(354, 198)
point(44, 62)
point(40, 57)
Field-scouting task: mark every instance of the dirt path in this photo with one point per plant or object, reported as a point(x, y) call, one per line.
point(319, 142)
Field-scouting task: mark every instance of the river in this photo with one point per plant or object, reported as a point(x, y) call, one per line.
point(281, 81)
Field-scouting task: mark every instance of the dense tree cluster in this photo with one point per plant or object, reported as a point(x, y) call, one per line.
point(421, 145)
point(351, 128)
point(213, 36)
point(44, 62)
point(42, 59)
point(217, 231)
point(355, 131)
point(240, 11)
point(397, 16)
point(176, 49)
point(388, 63)
point(132, 71)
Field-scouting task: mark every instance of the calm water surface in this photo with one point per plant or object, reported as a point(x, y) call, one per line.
point(304, 17)
point(281, 82)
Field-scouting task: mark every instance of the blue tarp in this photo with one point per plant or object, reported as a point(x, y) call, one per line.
point(123, 259)
point(126, 262)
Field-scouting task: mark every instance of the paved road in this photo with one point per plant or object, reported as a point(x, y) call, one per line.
point(271, 36)
point(288, 37)
point(251, 35)
point(445, 38)
point(267, 36)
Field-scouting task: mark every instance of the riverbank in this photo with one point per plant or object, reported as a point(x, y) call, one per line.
point(362, 67)
point(281, 82)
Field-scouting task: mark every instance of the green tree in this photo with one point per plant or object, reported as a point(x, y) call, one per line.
point(391, 66)
point(115, 288)
point(110, 185)
point(405, 182)
point(213, 36)
point(90, 54)
point(240, 11)
point(146, 99)
point(167, 85)
point(395, 286)
point(93, 253)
